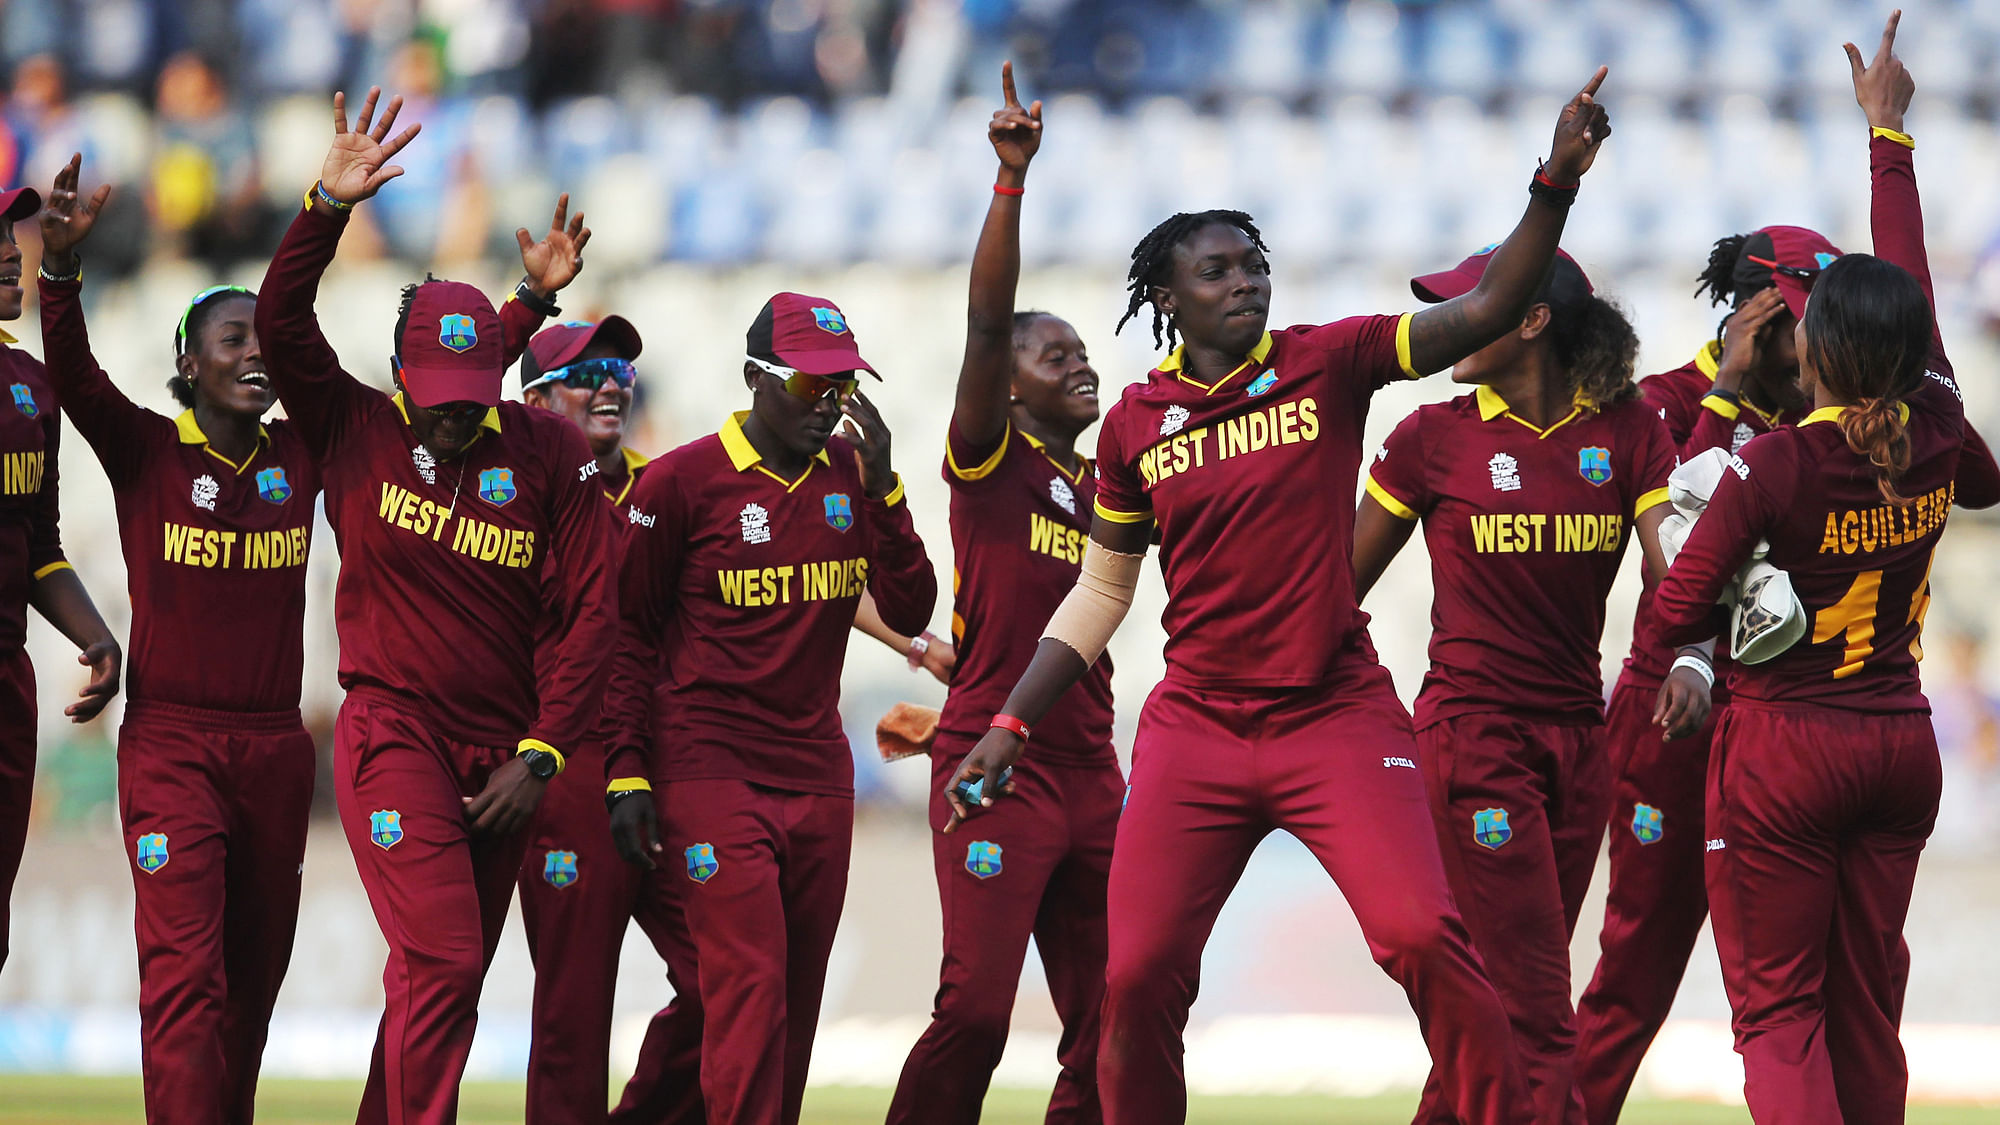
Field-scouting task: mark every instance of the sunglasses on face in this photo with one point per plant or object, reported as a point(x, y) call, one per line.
point(810, 387)
point(590, 374)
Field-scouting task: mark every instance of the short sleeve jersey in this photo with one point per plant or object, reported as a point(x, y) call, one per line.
point(30, 541)
point(1696, 424)
point(1252, 482)
point(1019, 522)
point(1526, 528)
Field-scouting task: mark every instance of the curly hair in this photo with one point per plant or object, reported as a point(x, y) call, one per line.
point(1153, 259)
point(1597, 349)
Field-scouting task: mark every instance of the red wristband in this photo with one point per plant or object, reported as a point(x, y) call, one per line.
point(999, 190)
point(1012, 725)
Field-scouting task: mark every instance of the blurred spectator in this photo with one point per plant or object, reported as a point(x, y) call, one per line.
point(1967, 719)
point(206, 195)
point(45, 120)
point(442, 175)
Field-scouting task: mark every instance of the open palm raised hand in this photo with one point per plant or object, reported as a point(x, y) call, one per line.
point(358, 163)
point(554, 261)
point(67, 220)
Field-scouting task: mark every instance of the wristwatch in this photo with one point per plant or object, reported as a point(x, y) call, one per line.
point(542, 763)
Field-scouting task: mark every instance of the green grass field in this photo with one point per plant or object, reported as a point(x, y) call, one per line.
point(61, 1100)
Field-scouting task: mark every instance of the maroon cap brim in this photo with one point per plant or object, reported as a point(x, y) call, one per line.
point(1794, 291)
point(1437, 287)
point(20, 203)
point(827, 361)
point(433, 387)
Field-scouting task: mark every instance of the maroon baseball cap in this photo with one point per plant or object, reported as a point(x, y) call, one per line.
point(450, 347)
point(559, 345)
point(1566, 286)
point(19, 203)
point(1788, 257)
point(808, 334)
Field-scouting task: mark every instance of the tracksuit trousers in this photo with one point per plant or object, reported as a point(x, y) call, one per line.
point(439, 893)
point(1213, 773)
point(1816, 820)
point(17, 775)
point(215, 806)
point(1035, 864)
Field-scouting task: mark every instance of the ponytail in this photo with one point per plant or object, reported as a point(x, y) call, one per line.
point(1874, 429)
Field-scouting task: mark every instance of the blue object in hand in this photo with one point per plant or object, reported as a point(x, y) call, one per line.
point(972, 791)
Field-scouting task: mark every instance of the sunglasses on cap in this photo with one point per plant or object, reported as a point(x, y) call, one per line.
point(1802, 273)
point(808, 386)
point(180, 332)
point(589, 374)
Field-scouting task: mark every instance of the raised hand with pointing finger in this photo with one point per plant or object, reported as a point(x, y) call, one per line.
point(1882, 87)
point(1016, 133)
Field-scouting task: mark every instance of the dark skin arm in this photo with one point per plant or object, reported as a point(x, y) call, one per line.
point(1054, 670)
point(507, 804)
point(1443, 334)
point(986, 374)
point(1378, 535)
point(62, 601)
point(1683, 703)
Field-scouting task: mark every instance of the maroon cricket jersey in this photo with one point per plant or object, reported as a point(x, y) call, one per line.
point(442, 562)
point(737, 590)
point(1860, 566)
point(1696, 424)
point(548, 635)
point(1019, 522)
point(30, 540)
point(1252, 482)
point(1526, 528)
point(215, 551)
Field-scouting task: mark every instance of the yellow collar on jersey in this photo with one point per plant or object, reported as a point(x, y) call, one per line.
point(1708, 361)
point(490, 422)
point(5, 338)
point(1175, 359)
point(633, 461)
point(1492, 406)
point(1833, 413)
point(1082, 462)
point(190, 432)
point(745, 457)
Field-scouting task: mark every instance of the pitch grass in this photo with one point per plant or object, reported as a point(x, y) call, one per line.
point(65, 1100)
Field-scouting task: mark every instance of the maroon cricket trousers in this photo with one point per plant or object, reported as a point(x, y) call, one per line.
point(577, 897)
point(1656, 903)
point(439, 893)
point(1816, 820)
point(762, 876)
point(1035, 864)
point(17, 774)
point(1213, 773)
point(1519, 810)
point(215, 806)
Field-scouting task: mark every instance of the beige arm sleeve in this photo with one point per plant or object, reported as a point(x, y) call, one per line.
point(1097, 603)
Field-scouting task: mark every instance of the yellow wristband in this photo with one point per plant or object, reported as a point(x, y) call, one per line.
point(1888, 134)
point(629, 785)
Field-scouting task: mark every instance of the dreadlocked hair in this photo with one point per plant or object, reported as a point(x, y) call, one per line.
point(1718, 277)
point(403, 309)
point(1596, 348)
point(1154, 257)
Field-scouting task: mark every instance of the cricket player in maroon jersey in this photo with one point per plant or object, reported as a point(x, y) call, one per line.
point(33, 570)
point(747, 553)
point(1528, 490)
point(452, 510)
point(215, 768)
point(576, 893)
point(1824, 778)
point(1239, 440)
point(1020, 512)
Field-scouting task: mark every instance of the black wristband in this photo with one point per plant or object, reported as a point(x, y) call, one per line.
point(1542, 188)
point(525, 293)
point(1730, 397)
point(611, 799)
point(42, 271)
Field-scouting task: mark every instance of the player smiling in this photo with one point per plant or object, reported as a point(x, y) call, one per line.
point(452, 510)
point(1240, 440)
point(1528, 490)
point(1020, 510)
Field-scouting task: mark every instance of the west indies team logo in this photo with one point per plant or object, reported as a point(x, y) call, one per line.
point(496, 486)
point(982, 858)
point(559, 869)
point(1648, 823)
point(1824, 259)
point(151, 851)
point(385, 828)
point(830, 320)
point(839, 511)
point(456, 331)
point(1490, 829)
point(1594, 463)
point(702, 864)
point(24, 400)
point(1263, 384)
point(272, 485)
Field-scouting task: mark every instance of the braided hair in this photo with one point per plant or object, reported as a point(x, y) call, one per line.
point(1153, 258)
point(1718, 278)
